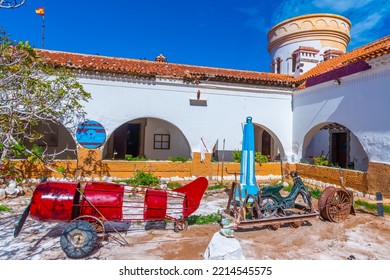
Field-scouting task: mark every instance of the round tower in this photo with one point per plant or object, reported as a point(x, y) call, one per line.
point(298, 44)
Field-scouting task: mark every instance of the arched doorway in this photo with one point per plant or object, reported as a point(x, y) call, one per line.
point(337, 144)
point(267, 143)
point(150, 138)
point(55, 141)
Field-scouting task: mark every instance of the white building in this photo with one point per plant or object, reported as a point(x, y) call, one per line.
point(319, 100)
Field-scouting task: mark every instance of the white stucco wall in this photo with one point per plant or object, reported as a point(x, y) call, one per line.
point(116, 102)
point(181, 147)
point(287, 50)
point(319, 145)
point(360, 103)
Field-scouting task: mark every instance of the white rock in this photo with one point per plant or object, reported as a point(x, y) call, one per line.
point(12, 184)
point(11, 192)
point(223, 248)
point(2, 194)
point(20, 190)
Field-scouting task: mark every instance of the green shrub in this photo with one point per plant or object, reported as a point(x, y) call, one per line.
point(144, 179)
point(173, 185)
point(218, 186)
point(322, 160)
point(259, 158)
point(131, 158)
point(371, 206)
point(204, 219)
point(182, 159)
point(4, 208)
point(315, 193)
point(236, 156)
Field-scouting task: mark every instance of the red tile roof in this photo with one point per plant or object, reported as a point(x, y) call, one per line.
point(307, 49)
point(193, 73)
point(146, 68)
point(377, 48)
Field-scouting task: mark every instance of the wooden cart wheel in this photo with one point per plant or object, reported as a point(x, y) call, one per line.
point(79, 239)
point(180, 226)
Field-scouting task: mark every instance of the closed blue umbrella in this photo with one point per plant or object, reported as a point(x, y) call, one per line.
point(247, 169)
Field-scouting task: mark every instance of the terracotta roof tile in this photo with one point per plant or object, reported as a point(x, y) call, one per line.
point(308, 49)
point(366, 52)
point(193, 73)
point(154, 68)
point(338, 52)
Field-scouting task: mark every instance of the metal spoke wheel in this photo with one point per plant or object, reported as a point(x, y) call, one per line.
point(79, 239)
point(95, 222)
point(180, 226)
point(268, 207)
point(336, 205)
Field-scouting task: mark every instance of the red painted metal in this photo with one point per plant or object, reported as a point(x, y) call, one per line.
point(54, 202)
point(102, 199)
point(155, 204)
point(194, 192)
point(59, 201)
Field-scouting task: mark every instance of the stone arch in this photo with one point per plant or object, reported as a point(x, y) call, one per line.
point(148, 137)
point(274, 147)
point(337, 143)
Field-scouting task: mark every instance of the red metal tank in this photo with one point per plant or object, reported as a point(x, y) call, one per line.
point(54, 202)
point(155, 204)
point(101, 199)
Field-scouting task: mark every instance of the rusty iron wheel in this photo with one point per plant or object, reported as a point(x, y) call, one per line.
point(322, 201)
point(340, 206)
point(337, 207)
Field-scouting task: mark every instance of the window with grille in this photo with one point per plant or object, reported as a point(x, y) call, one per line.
point(161, 142)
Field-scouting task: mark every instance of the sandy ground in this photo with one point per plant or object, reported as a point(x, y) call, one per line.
point(364, 236)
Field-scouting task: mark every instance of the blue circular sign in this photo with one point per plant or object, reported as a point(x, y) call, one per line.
point(91, 134)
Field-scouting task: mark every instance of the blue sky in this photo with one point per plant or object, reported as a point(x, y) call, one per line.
point(227, 34)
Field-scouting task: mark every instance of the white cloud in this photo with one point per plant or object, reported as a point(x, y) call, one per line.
point(368, 17)
point(364, 30)
point(341, 6)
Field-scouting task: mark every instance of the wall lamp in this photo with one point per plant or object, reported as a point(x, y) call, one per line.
point(337, 81)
